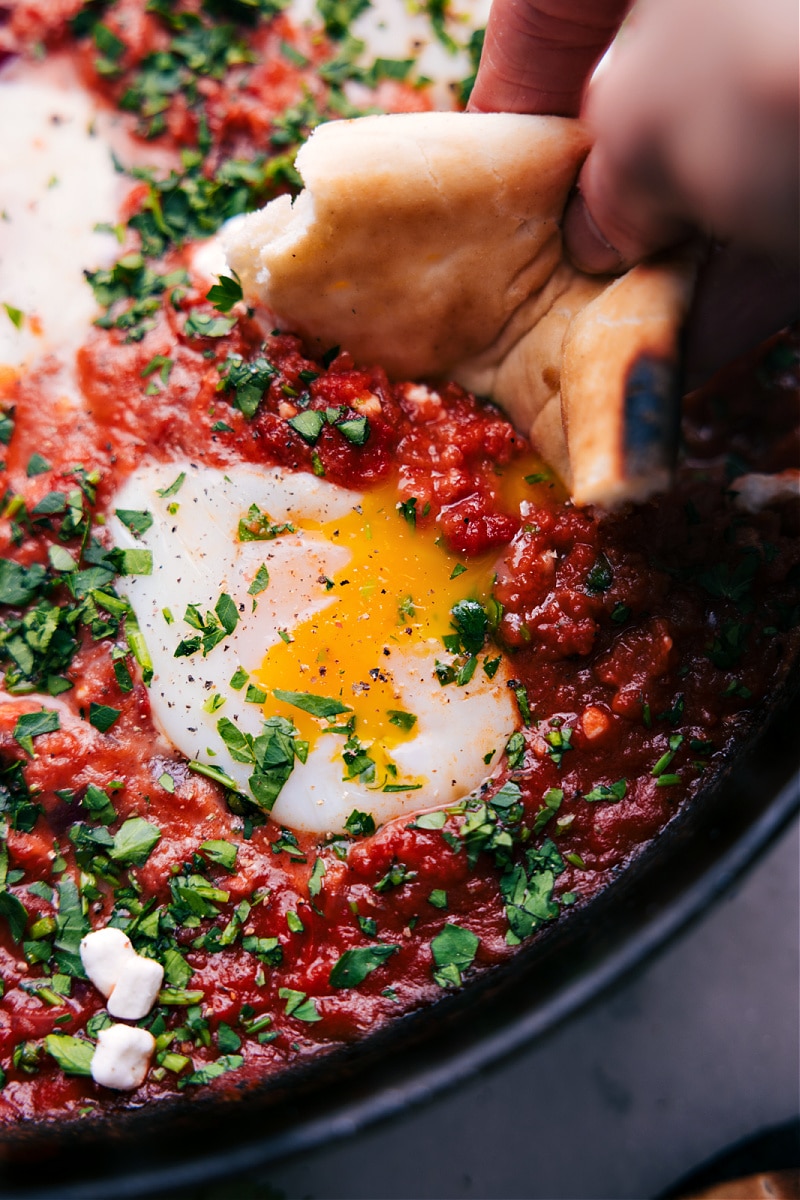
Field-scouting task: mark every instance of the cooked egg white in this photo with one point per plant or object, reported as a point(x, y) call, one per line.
point(345, 603)
point(57, 182)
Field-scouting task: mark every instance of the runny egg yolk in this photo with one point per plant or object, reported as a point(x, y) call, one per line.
point(396, 591)
point(395, 594)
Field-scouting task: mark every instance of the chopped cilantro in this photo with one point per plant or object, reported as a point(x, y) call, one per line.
point(260, 581)
point(98, 803)
point(403, 720)
point(102, 716)
point(258, 526)
point(73, 1054)
point(239, 679)
point(37, 465)
point(354, 429)
point(338, 15)
point(664, 761)
point(220, 852)
point(360, 824)
point(138, 522)
point(206, 325)
point(620, 613)
point(15, 315)
point(316, 706)
point(490, 667)
point(408, 510)
point(308, 425)
point(453, 950)
point(316, 877)
point(134, 841)
point(396, 876)
point(298, 1006)
point(293, 922)
point(212, 1070)
point(173, 488)
point(559, 742)
point(601, 576)
point(551, 803)
point(248, 381)
point(224, 294)
point(356, 964)
point(612, 792)
point(470, 620)
point(515, 750)
point(523, 704)
point(431, 820)
point(31, 725)
point(271, 755)
point(15, 914)
point(731, 583)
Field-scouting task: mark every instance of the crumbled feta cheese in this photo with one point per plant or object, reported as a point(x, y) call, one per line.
point(103, 954)
point(136, 989)
point(122, 1057)
point(129, 981)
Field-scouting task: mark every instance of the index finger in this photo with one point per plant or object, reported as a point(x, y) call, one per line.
point(538, 54)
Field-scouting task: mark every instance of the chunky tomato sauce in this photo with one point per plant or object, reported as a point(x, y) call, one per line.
point(642, 643)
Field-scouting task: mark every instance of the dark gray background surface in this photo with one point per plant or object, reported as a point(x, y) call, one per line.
point(697, 1050)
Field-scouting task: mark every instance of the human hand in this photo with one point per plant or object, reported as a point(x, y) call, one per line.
point(695, 120)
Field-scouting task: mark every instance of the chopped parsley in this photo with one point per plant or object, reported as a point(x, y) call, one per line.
point(31, 725)
point(453, 951)
point(298, 1005)
point(316, 706)
point(271, 755)
point(611, 792)
point(258, 526)
point(134, 841)
point(353, 967)
point(360, 824)
point(73, 1054)
point(103, 716)
point(225, 293)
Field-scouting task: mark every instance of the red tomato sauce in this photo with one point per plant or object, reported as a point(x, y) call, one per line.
point(641, 643)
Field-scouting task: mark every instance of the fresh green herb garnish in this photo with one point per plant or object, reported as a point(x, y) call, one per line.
point(360, 824)
point(31, 725)
point(612, 792)
point(316, 706)
point(103, 716)
point(224, 294)
point(299, 1006)
point(73, 1054)
point(134, 841)
point(453, 950)
point(353, 967)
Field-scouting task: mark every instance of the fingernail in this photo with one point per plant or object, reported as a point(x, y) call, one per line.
point(586, 246)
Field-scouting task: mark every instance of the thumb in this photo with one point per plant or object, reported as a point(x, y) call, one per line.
point(617, 217)
point(538, 54)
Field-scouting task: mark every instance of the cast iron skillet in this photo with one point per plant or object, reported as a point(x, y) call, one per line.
point(198, 1139)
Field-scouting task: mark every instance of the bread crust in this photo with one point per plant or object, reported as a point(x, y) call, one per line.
point(430, 243)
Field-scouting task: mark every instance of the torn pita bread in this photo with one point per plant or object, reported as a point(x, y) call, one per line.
point(429, 243)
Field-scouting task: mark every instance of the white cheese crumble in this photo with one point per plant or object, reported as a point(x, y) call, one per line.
point(122, 1057)
point(136, 989)
point(131, 984)
point(104, 954)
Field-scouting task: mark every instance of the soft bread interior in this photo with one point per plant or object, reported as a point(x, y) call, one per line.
point(430, 243)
